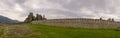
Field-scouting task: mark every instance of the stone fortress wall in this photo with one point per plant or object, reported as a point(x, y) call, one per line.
point(80, 22)
point(73, 22)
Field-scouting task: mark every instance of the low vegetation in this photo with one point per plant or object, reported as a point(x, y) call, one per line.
point(44, 31)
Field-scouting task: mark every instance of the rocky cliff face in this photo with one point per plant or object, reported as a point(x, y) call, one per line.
point(38, 17)
point(31, 18)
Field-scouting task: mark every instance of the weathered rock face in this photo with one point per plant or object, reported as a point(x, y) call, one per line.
point(30, 18)
point(38, 17)
point(111, 19)
point(44, 17)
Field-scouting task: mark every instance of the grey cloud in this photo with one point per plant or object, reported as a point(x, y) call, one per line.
point(20, 1)
point(77, 4)
point(54, 11)
point(97, 6)
point(59, 12)
point(68, 8)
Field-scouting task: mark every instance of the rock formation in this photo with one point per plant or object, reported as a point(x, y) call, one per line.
point(31, 17)
point(110, 19)
point(44, 17)
point(38, 17)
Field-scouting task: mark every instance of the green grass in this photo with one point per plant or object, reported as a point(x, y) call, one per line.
point(44, 31)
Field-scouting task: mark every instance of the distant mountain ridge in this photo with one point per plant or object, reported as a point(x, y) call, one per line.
point(7, 20)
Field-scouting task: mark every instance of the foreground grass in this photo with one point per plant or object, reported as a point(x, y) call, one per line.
point(1, 31)
point(44, 31)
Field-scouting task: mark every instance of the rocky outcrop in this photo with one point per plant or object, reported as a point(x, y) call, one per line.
point(38, 17)
point(110, 19)
point(31, 17)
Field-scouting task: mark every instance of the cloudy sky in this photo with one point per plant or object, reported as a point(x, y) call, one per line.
point(19, 9)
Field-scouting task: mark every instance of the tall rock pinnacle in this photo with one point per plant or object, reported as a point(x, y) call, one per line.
point(30, 17)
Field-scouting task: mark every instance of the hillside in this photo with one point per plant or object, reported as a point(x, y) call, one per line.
point(80, 22)
point(46, 31)
point(7, 20)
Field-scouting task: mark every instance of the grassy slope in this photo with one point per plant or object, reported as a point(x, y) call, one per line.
point(43, 31)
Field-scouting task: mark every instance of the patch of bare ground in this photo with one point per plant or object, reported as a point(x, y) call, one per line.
point(16, 31)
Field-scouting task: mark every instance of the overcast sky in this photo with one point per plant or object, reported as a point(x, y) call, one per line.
point(19, 9)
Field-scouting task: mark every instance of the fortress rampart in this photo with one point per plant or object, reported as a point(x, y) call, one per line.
point(80, 22)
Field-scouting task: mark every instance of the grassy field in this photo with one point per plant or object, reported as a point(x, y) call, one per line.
point(44, 31)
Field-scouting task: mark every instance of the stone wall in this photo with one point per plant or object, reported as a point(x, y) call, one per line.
point(82, 22)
